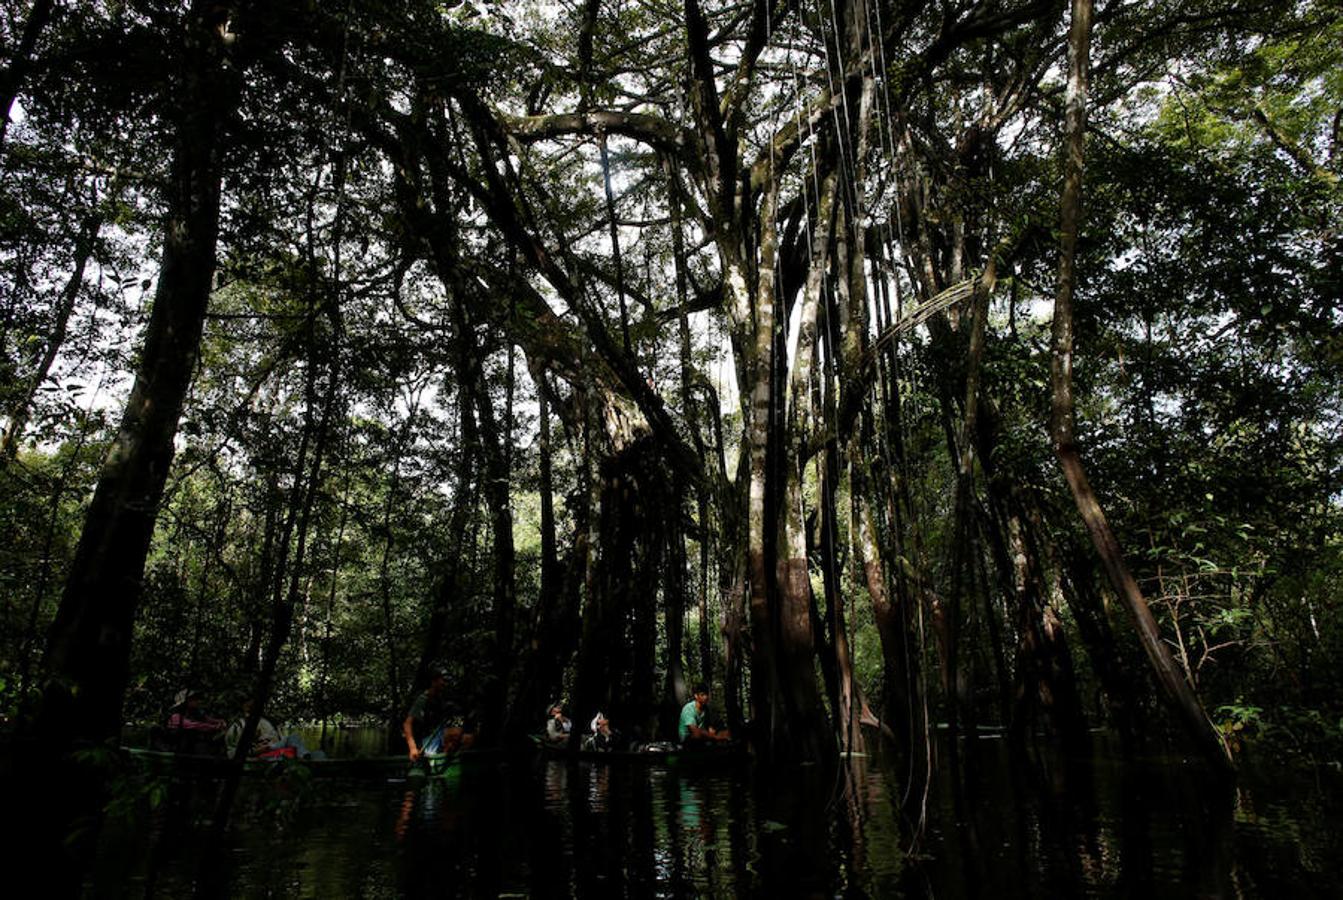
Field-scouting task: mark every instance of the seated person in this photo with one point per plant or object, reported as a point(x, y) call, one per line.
point(558, 726)
point(268, 742)
point(432, 726)
point(604, 737)
point(192, 730)
point(693, 729)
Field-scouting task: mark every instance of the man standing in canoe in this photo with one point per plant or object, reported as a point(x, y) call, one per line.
point(431, 728)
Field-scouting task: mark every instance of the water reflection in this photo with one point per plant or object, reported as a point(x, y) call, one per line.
point(1003, 826)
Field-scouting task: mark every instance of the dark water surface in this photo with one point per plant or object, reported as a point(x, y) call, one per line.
point(532, 828)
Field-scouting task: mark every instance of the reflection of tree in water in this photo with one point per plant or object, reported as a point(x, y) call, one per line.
point(1130, 829)
point(691, 799)
point(555, 784)
point(599, 788)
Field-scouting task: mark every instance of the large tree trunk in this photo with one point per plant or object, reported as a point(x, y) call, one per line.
point(88, 651)
point(602, 678)
point(505, 589)
point(1175, 687)
point(554, 633)
point(801, 730)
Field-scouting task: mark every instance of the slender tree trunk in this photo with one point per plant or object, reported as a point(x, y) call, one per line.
point(65, 305)
point(1045, 677)
point(324, 671)
point(1175, 687)
point(261, 586)
point(733, 588)
point(994, 613)
point(32, 635)
point(317, 432)
point(889, 481)
point(497, 479)
point(691, 411)
point(1121, 694)
point(549, 557)
point(384, 564)
point(615, 241)
point(674, 604)
point(11, 79)
point(964, 553)
point(641, 611)
point(212, 552)
point(847, 703)
point(448, 581)
point(531, 690)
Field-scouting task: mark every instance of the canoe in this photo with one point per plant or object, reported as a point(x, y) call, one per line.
point(667, 755)
point(350, 767)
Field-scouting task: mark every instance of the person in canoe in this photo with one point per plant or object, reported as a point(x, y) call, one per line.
point(558, 725)
point(694, 728)
point(189, 729)
point(268, 742)
point(432, 725)
point(604, 737)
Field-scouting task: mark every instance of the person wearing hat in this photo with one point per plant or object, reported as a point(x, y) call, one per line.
point(431, 726)
point(192, 729)
point(558, 726)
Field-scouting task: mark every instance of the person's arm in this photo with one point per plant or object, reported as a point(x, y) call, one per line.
point(408, 730)
point(177, 720)
point(232, 736)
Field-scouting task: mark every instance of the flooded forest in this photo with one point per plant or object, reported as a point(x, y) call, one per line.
point(788, 447)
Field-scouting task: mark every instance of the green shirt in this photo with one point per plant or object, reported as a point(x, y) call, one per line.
point(690, 715)
point(429, 713)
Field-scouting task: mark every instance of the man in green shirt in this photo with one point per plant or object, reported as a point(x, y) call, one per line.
point(692, 729)
point(430, 728)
